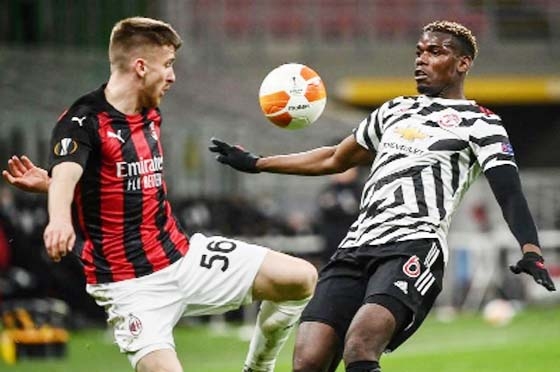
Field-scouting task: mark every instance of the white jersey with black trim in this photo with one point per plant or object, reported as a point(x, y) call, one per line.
point(429, 151)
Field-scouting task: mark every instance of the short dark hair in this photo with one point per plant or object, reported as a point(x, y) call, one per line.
point(466, 39)
point(134, 32)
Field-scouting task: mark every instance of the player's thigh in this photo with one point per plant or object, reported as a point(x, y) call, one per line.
point(412, 280)
point(282, 277)
point(325, 320)
point(369, 333)
point(217, 274)
point(338, 296)
point(159, 361)
point(142, 312)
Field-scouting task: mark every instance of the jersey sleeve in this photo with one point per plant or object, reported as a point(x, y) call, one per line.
point(490, 143)
point(71, 139)
point(369, 131)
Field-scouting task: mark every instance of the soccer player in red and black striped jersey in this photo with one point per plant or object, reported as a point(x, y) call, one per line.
point(107, 202)
point(425, 151)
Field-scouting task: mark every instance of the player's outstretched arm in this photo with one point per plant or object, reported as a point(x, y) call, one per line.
point(319, 161)
point(25, 175)
point(506, 186)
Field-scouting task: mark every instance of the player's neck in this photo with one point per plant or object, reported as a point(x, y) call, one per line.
point(120, 94)
point(453, 96)
point(454, 91)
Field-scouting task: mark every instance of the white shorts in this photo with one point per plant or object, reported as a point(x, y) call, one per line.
point(216, 275)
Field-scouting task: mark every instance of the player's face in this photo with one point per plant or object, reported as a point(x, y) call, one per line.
point(159, 75)
point(437, 66)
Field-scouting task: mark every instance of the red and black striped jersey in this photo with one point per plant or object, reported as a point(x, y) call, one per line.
point(123, 221)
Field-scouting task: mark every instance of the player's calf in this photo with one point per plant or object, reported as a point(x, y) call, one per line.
point(274, 324)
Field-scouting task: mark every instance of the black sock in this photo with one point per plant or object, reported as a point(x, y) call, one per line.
point(363, 366)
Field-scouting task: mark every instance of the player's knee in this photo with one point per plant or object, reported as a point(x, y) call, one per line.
point(355, 348)
point(307, 364)
point(161, 366)
point(299, 284)
point(159, 361)
point(365, 345)
point(317, 348)
point(284, 278)
point(161, 369)
point(307, 280)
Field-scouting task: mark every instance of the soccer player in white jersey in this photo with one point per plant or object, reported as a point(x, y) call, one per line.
point(425, 151)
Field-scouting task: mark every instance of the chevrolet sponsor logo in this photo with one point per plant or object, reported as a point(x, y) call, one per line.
point(410, 134)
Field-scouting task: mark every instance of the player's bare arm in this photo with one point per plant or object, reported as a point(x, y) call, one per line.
point(319, 161)
point(59, 235)
point(25, 175)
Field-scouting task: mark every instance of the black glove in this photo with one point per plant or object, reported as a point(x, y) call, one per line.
point(234, 156)
point(533, 264)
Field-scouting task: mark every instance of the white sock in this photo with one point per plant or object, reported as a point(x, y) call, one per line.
point(274, 325)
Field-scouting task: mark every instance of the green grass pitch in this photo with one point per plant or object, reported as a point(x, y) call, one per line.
point(531, 343)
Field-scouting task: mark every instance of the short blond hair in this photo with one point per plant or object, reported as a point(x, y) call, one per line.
point(136, 32)
point(465, 36)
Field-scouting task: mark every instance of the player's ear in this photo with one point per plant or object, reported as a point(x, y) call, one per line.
point(140, 67)
point(464, 64)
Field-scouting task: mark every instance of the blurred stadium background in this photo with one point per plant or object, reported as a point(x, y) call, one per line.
point(52, 51)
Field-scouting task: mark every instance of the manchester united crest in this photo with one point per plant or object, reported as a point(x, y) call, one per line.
point(449, 119)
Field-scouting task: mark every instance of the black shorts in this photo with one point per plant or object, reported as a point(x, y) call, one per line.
point(409, 271)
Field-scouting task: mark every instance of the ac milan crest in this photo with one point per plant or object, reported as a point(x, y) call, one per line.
point(134, 325)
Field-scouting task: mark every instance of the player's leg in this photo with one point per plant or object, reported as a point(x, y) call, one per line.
point(282, 277)
point(317, 349)
point(143, 312)
point(284, 284)
point(339, 294)
point(400, 293)
point(164, 360)
point(369, 334)
point(220, 274)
